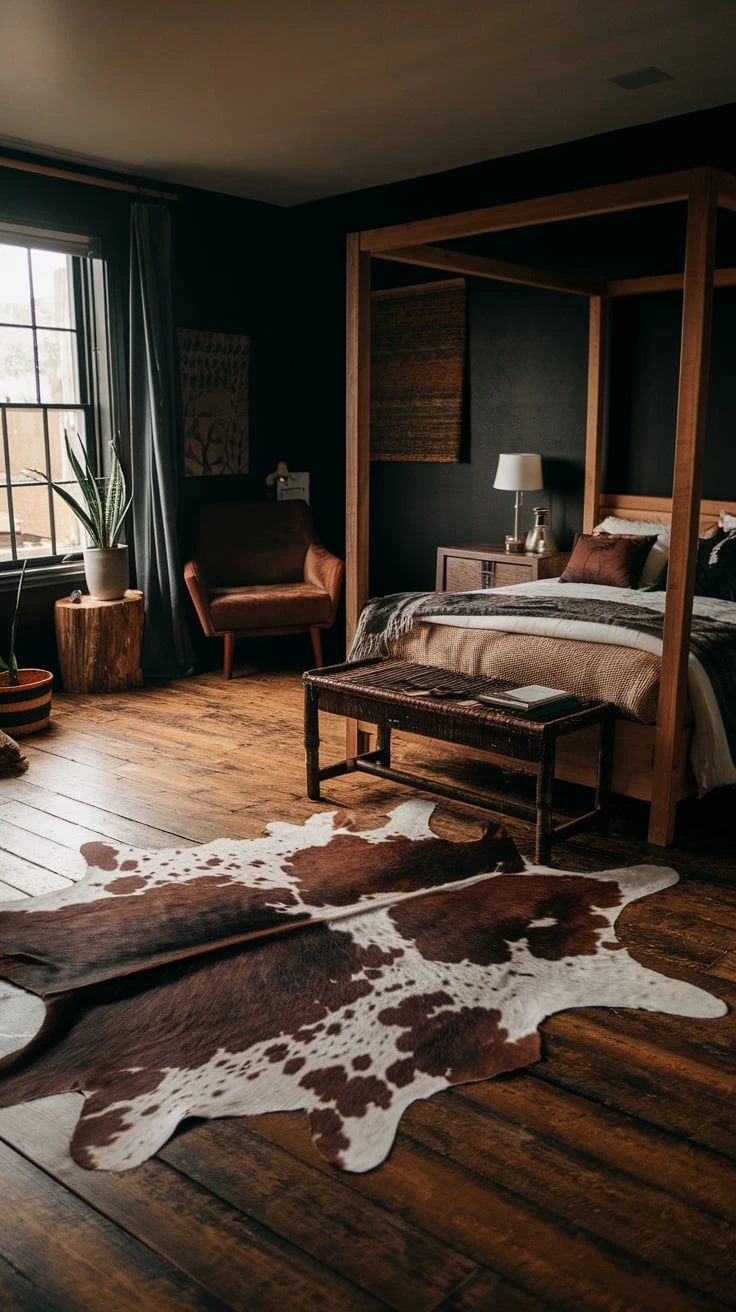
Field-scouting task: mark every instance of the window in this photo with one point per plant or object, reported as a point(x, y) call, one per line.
point(54, 381)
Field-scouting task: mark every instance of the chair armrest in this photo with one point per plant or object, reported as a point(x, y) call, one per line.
point(325, 571)
point(195, 577)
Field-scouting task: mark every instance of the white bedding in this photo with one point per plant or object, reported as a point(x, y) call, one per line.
point(709, 752)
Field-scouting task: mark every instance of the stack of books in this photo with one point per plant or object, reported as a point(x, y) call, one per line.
point(531, 702)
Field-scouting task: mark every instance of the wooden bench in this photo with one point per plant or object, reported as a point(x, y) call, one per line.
point(386, 694)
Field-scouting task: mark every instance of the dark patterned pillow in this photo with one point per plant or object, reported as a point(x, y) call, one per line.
point(614, 560)
point(715, 568)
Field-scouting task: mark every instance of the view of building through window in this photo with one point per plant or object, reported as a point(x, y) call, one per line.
point(43, 395)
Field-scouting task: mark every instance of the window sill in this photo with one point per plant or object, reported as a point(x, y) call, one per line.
point(45, 576)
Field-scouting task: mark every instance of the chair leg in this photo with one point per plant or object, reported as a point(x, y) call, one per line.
point(316, 636)
point(229, 655)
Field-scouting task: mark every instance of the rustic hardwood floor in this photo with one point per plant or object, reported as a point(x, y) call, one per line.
point(602, 1178)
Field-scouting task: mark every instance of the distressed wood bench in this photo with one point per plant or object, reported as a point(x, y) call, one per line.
point(436, 703)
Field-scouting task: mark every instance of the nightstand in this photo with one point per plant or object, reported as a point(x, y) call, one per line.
point(484, 565)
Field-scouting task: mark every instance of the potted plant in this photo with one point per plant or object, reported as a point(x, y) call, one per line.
point(25, 694)
point(102, 512)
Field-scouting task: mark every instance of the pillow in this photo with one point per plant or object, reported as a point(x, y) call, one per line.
point(655, 564)
point(715, 568)
point(727, 521)
point(613, 560)
point(11, 757)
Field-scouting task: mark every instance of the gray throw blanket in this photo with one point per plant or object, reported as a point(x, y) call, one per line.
point(384, 620)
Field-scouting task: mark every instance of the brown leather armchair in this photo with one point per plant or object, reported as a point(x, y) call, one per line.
point(258, 568)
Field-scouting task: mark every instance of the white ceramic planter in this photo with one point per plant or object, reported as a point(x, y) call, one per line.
point(106, 571)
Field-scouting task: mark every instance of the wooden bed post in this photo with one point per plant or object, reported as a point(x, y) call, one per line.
point(595, 412)
point(357, 454)
point(686, 488)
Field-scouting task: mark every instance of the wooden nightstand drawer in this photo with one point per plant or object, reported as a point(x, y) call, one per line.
point(464, 569)
point(463, 574)
point(504, 573)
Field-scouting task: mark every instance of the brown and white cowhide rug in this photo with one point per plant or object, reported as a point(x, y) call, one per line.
point(347, 973)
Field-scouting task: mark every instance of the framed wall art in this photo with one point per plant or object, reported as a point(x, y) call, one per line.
point(214, 396)
point(418, 372)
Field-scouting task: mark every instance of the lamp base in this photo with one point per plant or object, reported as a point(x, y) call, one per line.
point(514, 544)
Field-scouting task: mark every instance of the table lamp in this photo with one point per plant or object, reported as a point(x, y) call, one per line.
point(518, 472)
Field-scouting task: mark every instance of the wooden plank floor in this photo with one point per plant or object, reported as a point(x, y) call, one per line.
point(602, 1178)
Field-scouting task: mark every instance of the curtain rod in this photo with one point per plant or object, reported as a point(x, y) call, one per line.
point(69, 176)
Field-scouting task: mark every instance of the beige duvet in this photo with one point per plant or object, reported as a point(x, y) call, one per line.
point(626, 676)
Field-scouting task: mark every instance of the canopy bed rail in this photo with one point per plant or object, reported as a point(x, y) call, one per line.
point(661, 770)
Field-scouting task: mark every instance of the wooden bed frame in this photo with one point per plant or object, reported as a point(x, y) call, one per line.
point(660, 773)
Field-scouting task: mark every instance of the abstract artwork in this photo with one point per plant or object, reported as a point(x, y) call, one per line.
point(214, 394)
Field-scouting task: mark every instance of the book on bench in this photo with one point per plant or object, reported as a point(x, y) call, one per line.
point(526, 698)
point(548, 711)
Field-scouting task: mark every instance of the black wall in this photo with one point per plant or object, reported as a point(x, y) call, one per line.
point(527, 348)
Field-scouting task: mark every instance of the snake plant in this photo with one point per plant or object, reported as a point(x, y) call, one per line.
point(104, 506)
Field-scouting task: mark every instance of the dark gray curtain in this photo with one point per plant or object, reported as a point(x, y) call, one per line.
point(155, 446)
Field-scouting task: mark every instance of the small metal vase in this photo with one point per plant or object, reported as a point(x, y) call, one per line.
point(540, 539)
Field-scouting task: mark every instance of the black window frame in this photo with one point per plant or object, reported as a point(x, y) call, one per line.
point(97, 392)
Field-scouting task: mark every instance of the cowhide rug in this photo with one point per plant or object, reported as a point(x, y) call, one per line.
point(346, 973)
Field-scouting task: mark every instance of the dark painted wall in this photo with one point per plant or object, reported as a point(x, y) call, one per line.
point(527, 348)
point(229, 277)
point(531, 400)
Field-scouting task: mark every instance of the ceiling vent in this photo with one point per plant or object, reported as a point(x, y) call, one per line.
point(641, 77)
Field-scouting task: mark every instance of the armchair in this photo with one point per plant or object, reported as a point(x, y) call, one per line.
point(258, 568)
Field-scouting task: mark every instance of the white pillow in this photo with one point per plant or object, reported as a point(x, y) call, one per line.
point(659, 554)
point(727, 521)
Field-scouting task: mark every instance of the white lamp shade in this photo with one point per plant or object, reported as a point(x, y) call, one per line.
point(519, 472)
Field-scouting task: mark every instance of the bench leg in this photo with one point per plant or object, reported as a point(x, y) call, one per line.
point(605, 765)
point(383, 742)
point(311, 741)
point(545, 782)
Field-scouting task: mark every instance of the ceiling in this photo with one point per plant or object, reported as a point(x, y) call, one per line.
point(290, 100)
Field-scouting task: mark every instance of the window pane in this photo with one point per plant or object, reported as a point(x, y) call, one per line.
point(28, 452)
point(32, 523)
point(25, 442)
point(17, 371)
point(15, 291)
point(6, 550)
point(57, 367)
point(52, 289)
point(74, 423)
point(44, 388)
point(70, 535)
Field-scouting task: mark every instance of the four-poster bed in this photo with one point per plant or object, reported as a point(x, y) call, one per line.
point(660, 770)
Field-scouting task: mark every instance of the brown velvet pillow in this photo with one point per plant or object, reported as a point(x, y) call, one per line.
point(614, 560)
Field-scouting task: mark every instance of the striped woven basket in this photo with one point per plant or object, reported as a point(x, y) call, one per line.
point(26, 706)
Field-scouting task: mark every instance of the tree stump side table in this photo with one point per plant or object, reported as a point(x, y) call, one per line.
point(99, 643)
